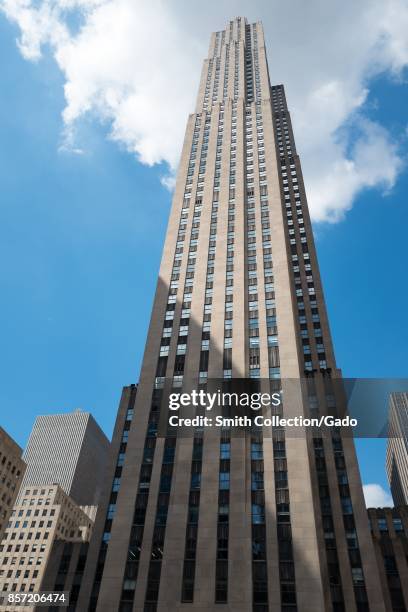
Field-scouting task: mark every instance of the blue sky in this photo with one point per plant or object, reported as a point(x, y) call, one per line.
point(80, 246)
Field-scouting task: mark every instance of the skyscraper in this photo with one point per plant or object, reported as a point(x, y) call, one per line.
point(397, 448)
point(262, 521)
point(389, 528)
point(70, 450)
point(12, 468)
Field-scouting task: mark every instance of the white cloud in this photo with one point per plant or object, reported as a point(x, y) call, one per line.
point(373, 162)
point(135, 66)
point(168, 181)
point(376, 497)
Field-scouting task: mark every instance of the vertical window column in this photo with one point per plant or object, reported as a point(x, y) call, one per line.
point(100, 564)
point(156, 555)
point(139, 516)
point(259, 561)
point(285, 544)
point(221, 569)
point(187, 592)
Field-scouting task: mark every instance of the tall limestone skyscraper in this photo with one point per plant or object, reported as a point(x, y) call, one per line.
point(266, 521)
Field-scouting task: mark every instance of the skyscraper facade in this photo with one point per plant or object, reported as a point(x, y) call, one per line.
point(96, 557)
point(397, 448)
point(70, 450)
point(12, 469)
point(258, 522)
point(389, 529)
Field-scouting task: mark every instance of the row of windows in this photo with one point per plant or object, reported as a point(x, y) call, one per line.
point(382, 525)
point(19, 573)
point(22, 547)
point(26, 524)
point(21, 587)
point(37, 560)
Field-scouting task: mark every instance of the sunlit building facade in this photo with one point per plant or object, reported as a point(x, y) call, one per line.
point(258, 522)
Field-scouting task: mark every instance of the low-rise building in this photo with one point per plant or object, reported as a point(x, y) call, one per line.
point(42, 516)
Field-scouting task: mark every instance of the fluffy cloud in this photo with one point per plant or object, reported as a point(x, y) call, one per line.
point(336, 177)
point(376, 497)
point(135, 66)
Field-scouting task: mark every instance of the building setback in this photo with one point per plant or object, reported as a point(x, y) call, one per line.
point(263, 521)
point(389, 528)
point(70, 450)
point(12, 469)
point(64, 571)
point(397, 448)
point(98, 547)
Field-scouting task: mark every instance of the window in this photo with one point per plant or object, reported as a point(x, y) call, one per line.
point(224, 481)
point(225, 450)
point(358, 577)
point(258, 514)
point(382, 524)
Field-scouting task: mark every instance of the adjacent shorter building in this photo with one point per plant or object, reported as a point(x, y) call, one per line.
point(45, 542)
point(397, 448)
point(389, 528)
point(74, 565)
point(42, 517)
point(12, 469)
point(69, 449)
